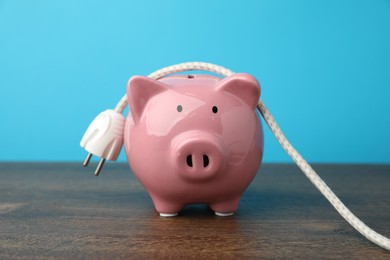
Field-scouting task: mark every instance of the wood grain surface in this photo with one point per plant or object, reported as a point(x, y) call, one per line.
point(60, 210)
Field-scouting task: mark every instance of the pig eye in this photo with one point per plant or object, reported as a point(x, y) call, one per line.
point(179, 108)
point(215, 109)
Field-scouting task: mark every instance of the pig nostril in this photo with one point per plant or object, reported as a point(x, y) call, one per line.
point(189, 160)
point(205, 161)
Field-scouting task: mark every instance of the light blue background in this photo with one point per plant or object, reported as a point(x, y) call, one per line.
point(324, 67)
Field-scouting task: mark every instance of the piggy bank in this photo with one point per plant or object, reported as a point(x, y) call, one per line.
point(194, 139)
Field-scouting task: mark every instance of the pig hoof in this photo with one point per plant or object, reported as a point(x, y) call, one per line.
point(220, 214)
point(168, 215)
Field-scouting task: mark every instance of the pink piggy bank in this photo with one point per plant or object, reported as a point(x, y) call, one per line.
point(194, 139)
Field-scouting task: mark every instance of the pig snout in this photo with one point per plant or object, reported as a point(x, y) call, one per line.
point(197, 155)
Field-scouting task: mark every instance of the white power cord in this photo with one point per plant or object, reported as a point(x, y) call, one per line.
point(362, 228)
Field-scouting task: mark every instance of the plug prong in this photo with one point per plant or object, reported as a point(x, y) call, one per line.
point(99, 167)
point(87, 159)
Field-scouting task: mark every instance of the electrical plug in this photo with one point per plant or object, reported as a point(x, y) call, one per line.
point(104, 138)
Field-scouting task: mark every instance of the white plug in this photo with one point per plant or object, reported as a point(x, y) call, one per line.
point(104, 137)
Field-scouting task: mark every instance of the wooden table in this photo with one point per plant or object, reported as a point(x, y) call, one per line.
point(51, 210)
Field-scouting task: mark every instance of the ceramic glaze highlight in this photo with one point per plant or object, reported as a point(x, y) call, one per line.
point(194, 139)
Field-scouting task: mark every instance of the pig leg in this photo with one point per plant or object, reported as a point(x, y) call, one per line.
point(225, 208)
point(166, 208)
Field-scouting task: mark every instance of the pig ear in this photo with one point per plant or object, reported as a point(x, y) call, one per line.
point(243, 86)
point(139, 91)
